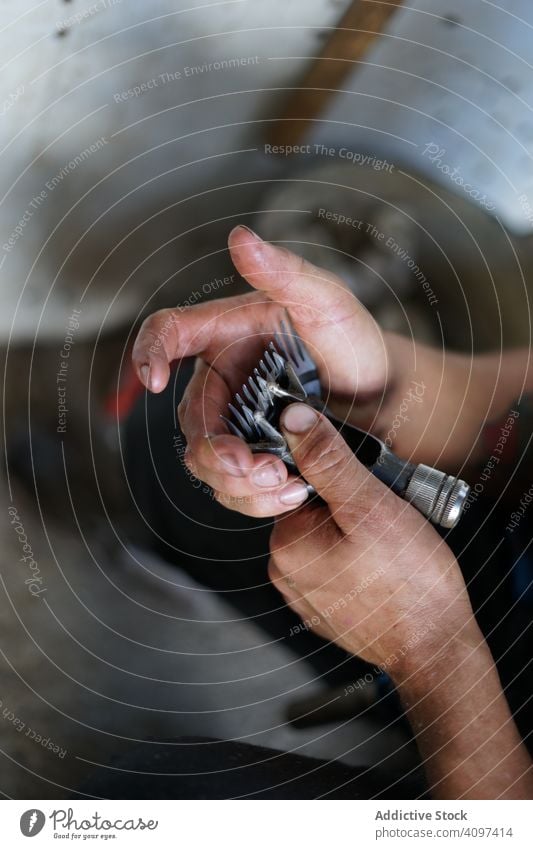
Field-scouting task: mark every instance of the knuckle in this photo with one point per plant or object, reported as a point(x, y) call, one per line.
point(372, 510)
point(325, 456)
point(191, 462)
point(277, 541)
point(301, 266)
point(273, 570)
point(389, 513)
point(157, 327)
point(228, 501)
point(195, 446)
point(182, 408)
point(281, 549)
point(164, 316)
point(150, 322)
point(188, 416)
point(249, 505)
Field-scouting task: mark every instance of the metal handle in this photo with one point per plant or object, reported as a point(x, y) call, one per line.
point(440, 497)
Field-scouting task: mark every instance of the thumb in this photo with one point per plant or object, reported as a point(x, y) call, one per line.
point(325, 461)
point(323, 310)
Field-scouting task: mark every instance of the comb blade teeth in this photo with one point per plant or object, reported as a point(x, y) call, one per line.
point(275, 363)
point(262, 383)
point(264, 398)
point(260, 380)
point(267, 371)
point(242, 421)
point(270, 363)
point(278, 360)
point(264, 389)
point(249, 397)
point(233, 427)
point(250, 418)
point(300, 347)
point(254, 385)
point(288, 338)
point(272, 348)
point(264, 432)
point(268, 431)
point(280, 342)
point(295, 346)
point(254, 390)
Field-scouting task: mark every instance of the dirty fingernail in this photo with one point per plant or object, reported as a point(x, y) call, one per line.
point(293, 494)
point(298, 418)
point(268, 475)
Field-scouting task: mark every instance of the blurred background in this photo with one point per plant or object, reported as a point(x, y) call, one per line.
point(389, 142)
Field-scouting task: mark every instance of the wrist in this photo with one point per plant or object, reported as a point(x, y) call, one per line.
point(502, 381)
point(441, 657)
point(435, 403)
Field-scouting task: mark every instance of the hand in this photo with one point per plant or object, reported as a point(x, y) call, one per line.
point(229, 336)
point(426, 404)
point(370, 573)
point(367, 571)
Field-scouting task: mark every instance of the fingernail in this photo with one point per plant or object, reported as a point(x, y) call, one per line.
point(232, 465)
point(268, 475)
point(298, 418)
point(294, 493)
point(145, 375)
point(248, 230)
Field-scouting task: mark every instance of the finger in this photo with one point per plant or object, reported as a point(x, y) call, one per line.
point(206, 396)
point(172, 334)
point(311, 525)
point(299, 541)
point(286, 585)
point(270, 503)
point(161, 339)
point(222, 460)
point(319, 304)
point(325, 461)
point(225, 472)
